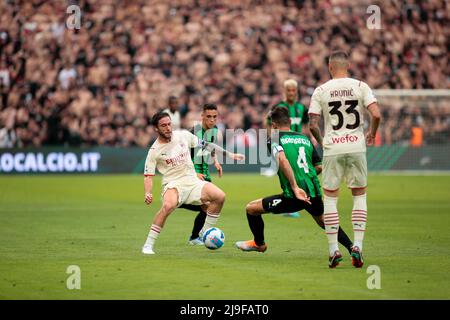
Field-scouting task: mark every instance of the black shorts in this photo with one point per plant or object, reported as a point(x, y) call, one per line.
point(281, 204)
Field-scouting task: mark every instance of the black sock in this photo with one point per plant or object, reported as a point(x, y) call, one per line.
point(256, 224)
point(343, 239)
point(198, 224)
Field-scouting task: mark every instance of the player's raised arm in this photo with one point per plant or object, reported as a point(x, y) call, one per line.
point(217, 149)
point(286, 168)
point(211, 147)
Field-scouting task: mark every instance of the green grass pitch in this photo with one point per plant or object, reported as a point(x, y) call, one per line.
point(100, 223)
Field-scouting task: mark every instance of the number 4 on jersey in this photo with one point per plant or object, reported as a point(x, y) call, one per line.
point(301, 160)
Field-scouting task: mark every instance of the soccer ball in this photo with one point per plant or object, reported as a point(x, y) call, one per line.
point(213, 238)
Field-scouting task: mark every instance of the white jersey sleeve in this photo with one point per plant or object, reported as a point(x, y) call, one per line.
point(150, 162)
point(191, 139)
point(316, 106)
point(276, 148)
point(367, 95)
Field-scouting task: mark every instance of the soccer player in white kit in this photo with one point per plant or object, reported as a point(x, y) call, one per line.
point(171, 155)
point(342, 101)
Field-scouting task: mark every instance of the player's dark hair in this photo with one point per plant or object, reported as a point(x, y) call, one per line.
point(158, 116)
point(339, 55)
point(209, 106)
point(279, 115)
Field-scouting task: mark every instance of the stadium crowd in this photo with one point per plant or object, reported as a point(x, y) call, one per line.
point(100, 84)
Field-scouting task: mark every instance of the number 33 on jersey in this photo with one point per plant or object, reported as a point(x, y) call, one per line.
point(342, 102)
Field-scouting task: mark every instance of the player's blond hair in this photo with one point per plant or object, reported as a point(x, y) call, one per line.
point(290, 83)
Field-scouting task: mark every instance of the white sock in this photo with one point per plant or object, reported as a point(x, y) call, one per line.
point(331, 219)
point(152, 236)
point(359, 219)
point(210, 221)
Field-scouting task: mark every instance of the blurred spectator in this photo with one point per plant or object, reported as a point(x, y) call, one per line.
point(4, 75)
point(102, 83)
point(67, 76)
point(174, 113)
point(8, 137)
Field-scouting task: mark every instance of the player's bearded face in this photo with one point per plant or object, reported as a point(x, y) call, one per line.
point(165, 128)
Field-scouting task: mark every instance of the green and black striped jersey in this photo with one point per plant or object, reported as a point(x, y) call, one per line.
point(201, 157)
point(303, 158)
point(298, 114)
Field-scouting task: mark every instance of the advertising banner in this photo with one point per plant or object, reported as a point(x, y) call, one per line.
point(51, 160)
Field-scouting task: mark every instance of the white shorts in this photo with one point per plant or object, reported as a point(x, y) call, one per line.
point(352, 166)
point(189, 190)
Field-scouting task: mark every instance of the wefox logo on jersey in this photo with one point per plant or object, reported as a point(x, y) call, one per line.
point(346, 139)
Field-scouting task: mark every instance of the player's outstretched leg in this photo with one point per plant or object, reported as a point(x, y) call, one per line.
point(170, 201)
point(215, 198)
point(359, 220)
point(194, 238)
point(199, 221)
point(292, 214)
point(254, 210)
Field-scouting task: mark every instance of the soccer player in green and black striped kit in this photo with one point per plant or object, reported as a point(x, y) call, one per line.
point(297, 112)
point(206, 131)
point(299, 165)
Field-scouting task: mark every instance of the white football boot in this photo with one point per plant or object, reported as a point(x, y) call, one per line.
point(147, 250)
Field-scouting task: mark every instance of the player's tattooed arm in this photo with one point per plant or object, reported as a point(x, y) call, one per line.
point(212, 147)
point(286, 168)
point(314, 127)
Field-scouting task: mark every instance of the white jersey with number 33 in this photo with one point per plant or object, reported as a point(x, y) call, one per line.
point(342, 102)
